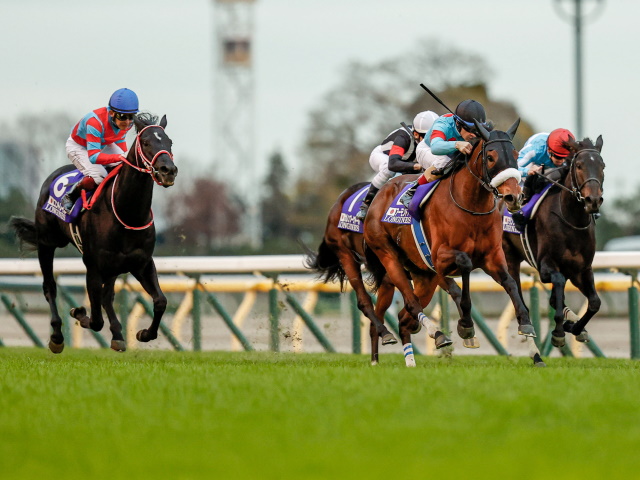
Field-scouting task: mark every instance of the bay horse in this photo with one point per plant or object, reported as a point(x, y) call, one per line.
point(559, 241)
point(462, 224)
point(340, 257)
point(117, 234)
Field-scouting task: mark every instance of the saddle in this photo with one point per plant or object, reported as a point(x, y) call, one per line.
point(62, 184)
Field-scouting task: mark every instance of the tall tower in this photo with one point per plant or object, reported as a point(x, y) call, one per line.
point(234, 129)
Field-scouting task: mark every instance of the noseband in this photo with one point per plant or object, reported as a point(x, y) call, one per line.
point(148, 164)
point(486, 181)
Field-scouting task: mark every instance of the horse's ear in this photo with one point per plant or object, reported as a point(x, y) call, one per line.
point(483, 131)
point(163, 122)
point(599, 143)
point(512, 129)
point(138, 123)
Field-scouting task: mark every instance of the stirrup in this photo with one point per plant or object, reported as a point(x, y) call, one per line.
point(407, 196)
point(364, 208)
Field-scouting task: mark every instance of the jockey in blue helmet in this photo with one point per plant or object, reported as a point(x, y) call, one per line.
point(98, 141)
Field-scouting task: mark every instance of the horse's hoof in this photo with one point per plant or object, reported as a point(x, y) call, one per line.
point(537, 361)
point(442, 340)
point(471, 342)
point(78, 312)
point(145, 336)
point(56, 348)
point(118, 345)
point(526, 330)
point(558, 341)
point(410, 361)
point(466, 332)
point(374, 363)
point(583, 337)
point(418, 328)
point(389, 339)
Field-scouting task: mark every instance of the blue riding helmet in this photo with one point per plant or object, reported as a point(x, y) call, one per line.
point(124, 101)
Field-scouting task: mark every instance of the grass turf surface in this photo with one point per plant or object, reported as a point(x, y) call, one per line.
point(98, 414)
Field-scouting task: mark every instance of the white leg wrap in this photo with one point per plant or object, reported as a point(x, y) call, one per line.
point(533, 349)
point(569, 315)
point(431, 326)
point(409, 359)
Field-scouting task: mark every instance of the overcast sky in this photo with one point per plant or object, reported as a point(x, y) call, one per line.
point(69, 55)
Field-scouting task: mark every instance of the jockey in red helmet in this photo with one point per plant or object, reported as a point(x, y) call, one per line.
point(98, 140)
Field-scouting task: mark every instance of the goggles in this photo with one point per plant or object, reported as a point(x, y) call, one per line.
point(124, 116)
point(469, 126)
point(555, 155)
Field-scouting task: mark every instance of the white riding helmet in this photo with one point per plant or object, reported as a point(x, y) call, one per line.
point(423, 121)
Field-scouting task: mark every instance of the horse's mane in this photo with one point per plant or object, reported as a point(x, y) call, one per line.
point(146, 119)
point(585, 143)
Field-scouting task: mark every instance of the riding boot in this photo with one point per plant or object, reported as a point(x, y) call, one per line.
point(429, 175)
point(70, 198)
point(519, 220)
point(364, 207)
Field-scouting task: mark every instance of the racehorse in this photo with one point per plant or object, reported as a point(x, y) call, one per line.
point(340, 257)
point(117, 234)
point(462, 225)
point(559, 241)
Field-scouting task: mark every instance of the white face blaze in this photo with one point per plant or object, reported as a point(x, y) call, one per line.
point(157, 136)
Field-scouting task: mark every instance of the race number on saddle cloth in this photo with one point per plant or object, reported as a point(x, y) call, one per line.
point(61, 185)
point(528, 211)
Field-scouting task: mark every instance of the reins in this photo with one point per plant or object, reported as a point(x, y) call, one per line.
point(487, 184)
point(149, 168)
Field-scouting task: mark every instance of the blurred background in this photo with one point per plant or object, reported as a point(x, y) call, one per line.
point(274, 106)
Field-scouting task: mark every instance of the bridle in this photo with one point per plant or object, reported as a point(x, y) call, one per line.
point(148, 164)
point(486, 180)
point(148, 168)
point(576, 192)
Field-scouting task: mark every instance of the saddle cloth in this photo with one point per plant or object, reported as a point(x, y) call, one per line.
point(528, 211)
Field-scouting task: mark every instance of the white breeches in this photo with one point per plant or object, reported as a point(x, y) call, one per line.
point(427, 159)
point(379, 161)
point(80, 158)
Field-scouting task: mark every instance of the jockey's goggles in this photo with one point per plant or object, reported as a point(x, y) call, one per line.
point(556, 155)
point(124, 116)
point(469, 126)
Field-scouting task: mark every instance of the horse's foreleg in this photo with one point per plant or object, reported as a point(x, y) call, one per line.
point(584, 282)
point(496, 267)
point(148, 278)
point(50, 290)
point(117, 340)
point(385, 297)
point(466, 327)
point(556, 300)
point(94, 290)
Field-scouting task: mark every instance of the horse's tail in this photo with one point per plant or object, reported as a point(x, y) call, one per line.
point(375, 268)
point(26, 232)
point(325, 263)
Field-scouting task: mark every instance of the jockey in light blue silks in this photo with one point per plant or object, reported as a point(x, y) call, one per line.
point(449, 134)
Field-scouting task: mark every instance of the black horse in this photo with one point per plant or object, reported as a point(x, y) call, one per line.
point(116, 236)
point(559, 241)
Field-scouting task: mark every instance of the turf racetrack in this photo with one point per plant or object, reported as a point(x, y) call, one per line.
point(92, 414)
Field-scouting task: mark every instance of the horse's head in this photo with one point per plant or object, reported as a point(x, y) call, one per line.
point(586, 173)
point(499, 164)
point(153, 150)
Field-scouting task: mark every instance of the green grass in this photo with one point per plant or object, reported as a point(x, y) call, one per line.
point(96, 414)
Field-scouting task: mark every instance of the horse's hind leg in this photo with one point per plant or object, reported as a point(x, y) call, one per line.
point(50, 289)
point(584, 283)
point(365, 305)
point(117, 340)
point(148, 278)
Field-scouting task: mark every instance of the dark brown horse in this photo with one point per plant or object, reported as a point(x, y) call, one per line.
point(559, 241)
point(118, 235)
point(341, 255)
point(463, 227)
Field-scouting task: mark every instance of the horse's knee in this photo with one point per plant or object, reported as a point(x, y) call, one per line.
point(594, 303)
point(463, 262)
